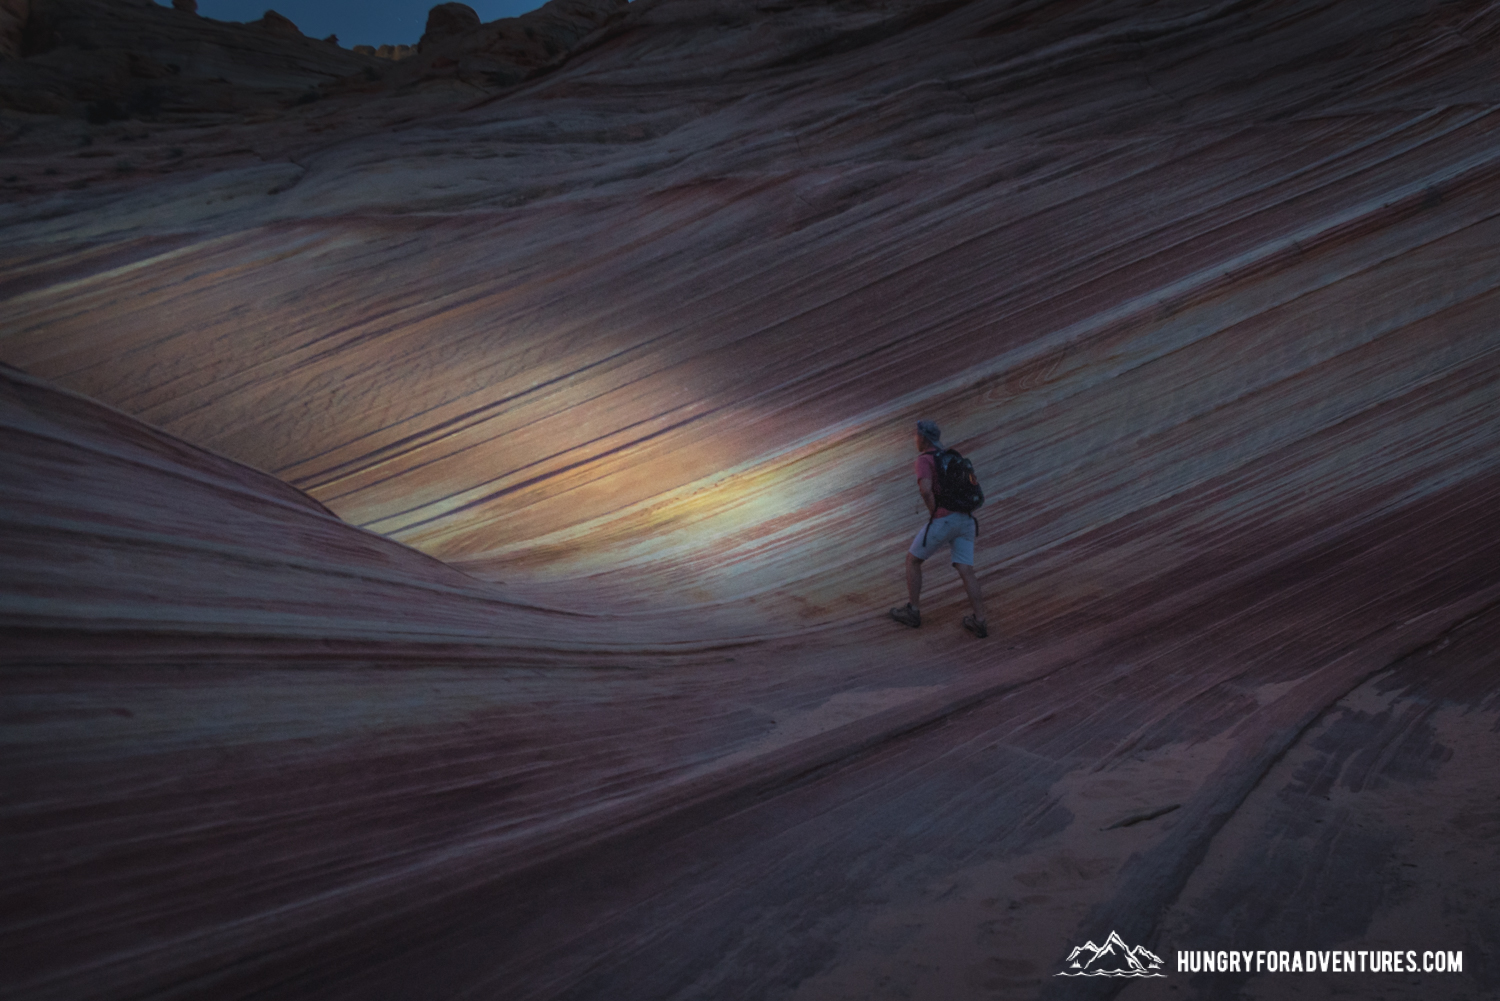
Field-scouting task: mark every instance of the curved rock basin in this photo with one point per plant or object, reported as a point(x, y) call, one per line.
point(448, 541)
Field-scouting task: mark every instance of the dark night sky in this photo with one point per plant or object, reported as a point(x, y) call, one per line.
point(356, 22)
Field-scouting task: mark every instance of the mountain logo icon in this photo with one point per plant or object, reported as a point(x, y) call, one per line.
point(1112, 959)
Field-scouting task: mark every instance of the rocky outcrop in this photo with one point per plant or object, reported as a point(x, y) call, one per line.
point(394, 53)
point(110, 60)
point(449, 22)
point(277, 24)
point(174, 74)
point(471, 582)
point(503, 53)
point(117, 59)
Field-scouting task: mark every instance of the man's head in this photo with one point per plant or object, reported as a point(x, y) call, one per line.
point(928, 436)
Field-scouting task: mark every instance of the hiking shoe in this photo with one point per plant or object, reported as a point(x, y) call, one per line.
point(907, 615)
point(973, 625)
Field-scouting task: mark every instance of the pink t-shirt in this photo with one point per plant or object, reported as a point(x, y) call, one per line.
point(927, 470)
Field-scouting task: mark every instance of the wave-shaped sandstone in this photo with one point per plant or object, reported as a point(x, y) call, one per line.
point(449, 521)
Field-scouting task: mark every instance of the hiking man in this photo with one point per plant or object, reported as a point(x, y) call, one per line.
point(955, 529)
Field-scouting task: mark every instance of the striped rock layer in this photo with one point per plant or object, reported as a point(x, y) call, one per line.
point(447, 555)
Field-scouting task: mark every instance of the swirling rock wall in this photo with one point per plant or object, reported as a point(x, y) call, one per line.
point(610, 378)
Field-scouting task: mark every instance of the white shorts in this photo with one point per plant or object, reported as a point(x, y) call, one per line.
point(956, 531)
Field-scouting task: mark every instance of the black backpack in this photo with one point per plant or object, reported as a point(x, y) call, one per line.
point(956, 487)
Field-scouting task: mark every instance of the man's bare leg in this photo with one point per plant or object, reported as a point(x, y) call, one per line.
point(971, 584)
point(914, 581)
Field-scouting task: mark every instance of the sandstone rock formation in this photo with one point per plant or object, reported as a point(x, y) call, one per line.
point(277, 24)
point(449, 21)
point(120, 59)
point(392, 52)
point(449, 530)
point(192, 96)
point(505, 52)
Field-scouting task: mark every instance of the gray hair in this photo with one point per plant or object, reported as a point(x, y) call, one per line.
point(930, 431)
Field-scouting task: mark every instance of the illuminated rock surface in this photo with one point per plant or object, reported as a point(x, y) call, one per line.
point(610, 377)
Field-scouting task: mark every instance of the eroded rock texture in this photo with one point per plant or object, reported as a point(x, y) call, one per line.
point(544, 658)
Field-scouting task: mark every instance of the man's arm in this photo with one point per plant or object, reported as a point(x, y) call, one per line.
point(925, 486)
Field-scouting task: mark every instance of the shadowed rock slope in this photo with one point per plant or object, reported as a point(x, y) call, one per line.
point(608, 379)
point(108, 96)
point(116, 59)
